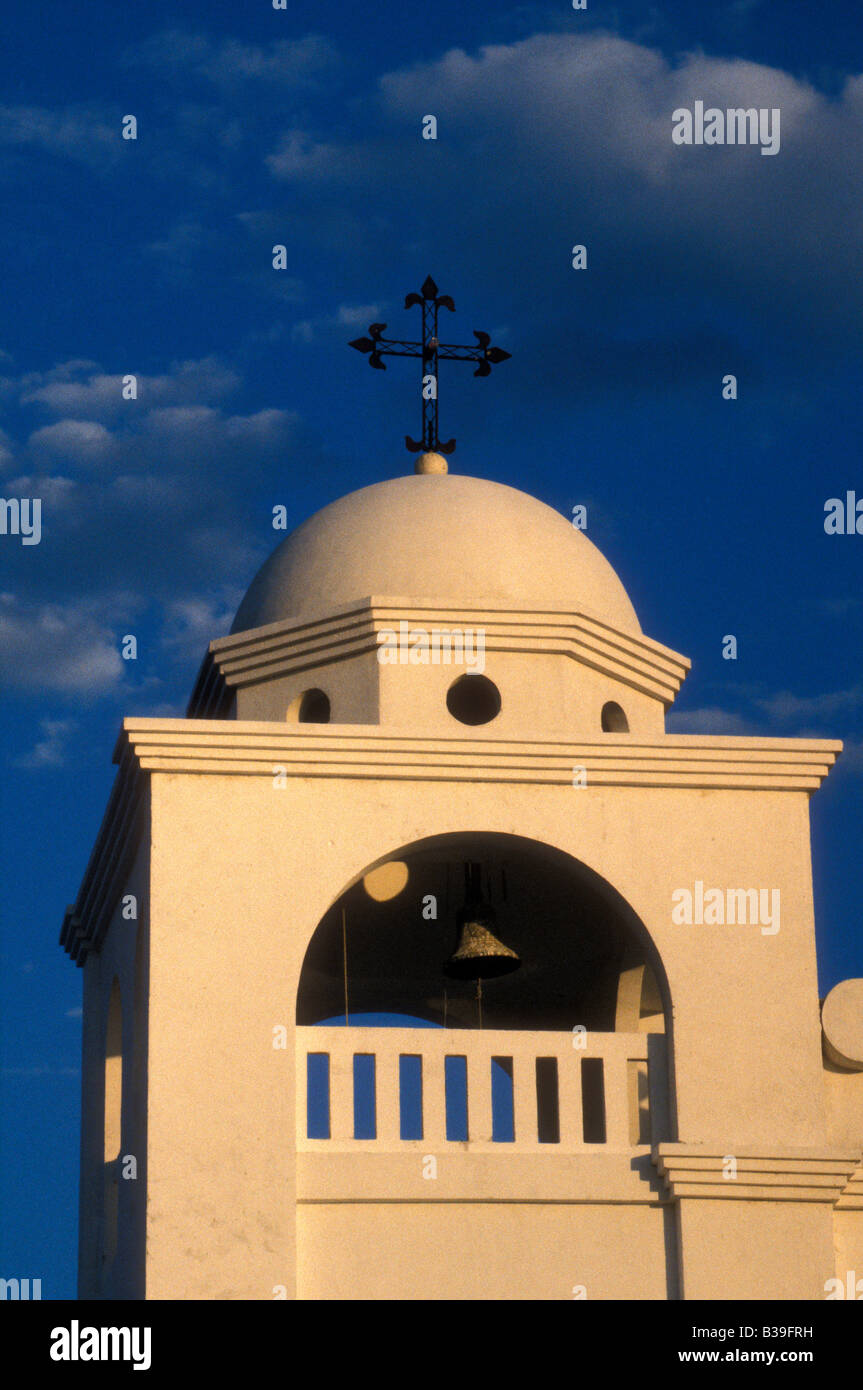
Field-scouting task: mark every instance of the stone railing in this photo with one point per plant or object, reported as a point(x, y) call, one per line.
point(391, 1089)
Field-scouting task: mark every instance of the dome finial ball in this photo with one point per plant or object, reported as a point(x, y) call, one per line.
point(431, 463)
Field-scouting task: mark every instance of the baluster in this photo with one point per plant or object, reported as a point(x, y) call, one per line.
point(524, 1100)
point(616, 1099)
point(569, 1098)
point(342, 1086)
point(388, 1107)
point(479, 1115)
point(434, 1098)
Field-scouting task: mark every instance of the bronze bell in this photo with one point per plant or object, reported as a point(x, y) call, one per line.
point(479, 954)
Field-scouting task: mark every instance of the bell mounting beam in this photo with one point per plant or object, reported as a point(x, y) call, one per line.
point(431, 352)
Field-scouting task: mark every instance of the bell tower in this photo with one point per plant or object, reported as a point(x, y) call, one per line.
point(420, 935)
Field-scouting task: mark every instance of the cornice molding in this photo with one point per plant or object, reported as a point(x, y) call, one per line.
point(852, 1193)
point(283, 649)
point(763, 1174)
point(227, 747)
point(251, 747)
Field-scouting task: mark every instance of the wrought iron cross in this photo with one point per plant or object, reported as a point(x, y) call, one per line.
point(432, 351)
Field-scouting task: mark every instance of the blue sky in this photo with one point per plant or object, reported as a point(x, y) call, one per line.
point(302, 127)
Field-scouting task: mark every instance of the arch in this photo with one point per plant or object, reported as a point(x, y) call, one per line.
point(134, 1194)
point(613, 719)
point(576, 934)
point(312, 706)
point(135, 1137)
point(113, 1122)
point(113, 1073)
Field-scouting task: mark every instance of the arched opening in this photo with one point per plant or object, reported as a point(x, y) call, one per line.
point(113, 1115)
point(473, 699)
point(139, 1016)
point(311, 707)
point(113, 1073)
point(585, 958)
point(134, 1193)
point(614, 721)
point(488, 936)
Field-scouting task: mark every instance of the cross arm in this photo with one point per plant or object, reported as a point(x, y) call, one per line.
point(430, 350)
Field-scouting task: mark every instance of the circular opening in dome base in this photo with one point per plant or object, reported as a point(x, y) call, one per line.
point(473, 700)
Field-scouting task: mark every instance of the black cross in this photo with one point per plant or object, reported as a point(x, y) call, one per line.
point(431, 350)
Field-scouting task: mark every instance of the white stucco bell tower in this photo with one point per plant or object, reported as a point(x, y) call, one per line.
point(433, 672)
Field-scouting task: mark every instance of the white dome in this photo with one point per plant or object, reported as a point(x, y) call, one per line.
point(463, 541)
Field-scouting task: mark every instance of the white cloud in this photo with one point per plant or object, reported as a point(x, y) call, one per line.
point(77, 132)
point(353, 316)
point(54, 490)
point(141, 519)
point(299, 155)
point(708, 720)
point(789, 707)
point(7, 457)
point(190, 435)
point(594, 103)
point(61, 647)
point(287, 62)
point(183, 245)
point(50, 749)
point(804, 714)
point(76, 389)
point(357, 314)
point(174, 426)
point(191, 623)
point(84, 442)
point(147, 493)
point(564, 131)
